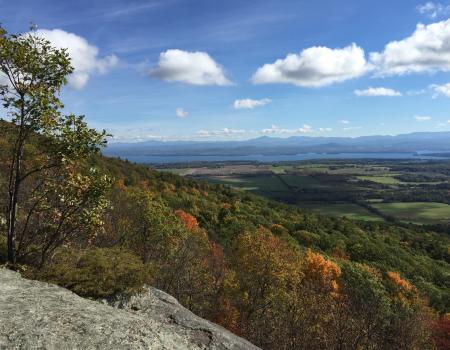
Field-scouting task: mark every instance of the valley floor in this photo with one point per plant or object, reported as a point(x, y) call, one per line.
point(372, 190)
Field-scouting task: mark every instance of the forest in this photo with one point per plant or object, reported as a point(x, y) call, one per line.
point(270, 272)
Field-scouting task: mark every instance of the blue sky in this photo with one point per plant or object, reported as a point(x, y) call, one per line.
point(209, 69)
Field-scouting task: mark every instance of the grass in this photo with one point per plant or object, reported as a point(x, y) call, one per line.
point(381, 179)
point(281, 169)
point(349, 210)
point(262, 183)
point(416, 212)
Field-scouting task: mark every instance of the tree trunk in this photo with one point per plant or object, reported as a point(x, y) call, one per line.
point(13, 200)
point(11, 228)
point(14, 185)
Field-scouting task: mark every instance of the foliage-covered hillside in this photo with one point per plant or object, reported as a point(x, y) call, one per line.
point(420, 255)
point(272, 273)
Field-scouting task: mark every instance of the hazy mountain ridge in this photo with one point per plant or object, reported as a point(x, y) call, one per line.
point(408, 143)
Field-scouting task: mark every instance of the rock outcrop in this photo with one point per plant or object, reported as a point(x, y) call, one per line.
point(37, 315)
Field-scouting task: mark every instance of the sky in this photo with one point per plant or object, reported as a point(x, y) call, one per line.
point(224, 70)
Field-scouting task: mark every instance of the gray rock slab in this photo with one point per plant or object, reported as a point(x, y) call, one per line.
point(38, 315)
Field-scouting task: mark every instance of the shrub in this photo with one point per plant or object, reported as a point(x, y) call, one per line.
point(97, 273)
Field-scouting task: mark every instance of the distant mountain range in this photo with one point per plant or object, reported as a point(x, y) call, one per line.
point(405, 143)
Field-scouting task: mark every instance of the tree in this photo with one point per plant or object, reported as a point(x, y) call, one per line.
point(268, 274)
point(143, 223)
point(189, 221)
point(53, 194)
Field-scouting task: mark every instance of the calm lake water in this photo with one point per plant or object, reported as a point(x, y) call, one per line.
point(274, 158)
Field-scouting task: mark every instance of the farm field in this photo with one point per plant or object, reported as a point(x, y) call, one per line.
point(416, 212)
point(381, 179)
point(407, 191)
point(260, 183)
point(348, 210)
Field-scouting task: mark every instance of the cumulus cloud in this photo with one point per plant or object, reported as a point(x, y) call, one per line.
point(379, 91)
point(426, 50)
point(351, 128)
point(196, 68)
point(314, 67)
point(250, 104)
point(85, 56)
point(416, 92)
point(440, 90)
point(245, 133)
point(422, 118)
point(274, 129)
point(344, 121)
point(226, 132)
point(433, 9)
point(181, 112)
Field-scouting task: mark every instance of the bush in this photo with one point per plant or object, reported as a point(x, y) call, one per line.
point(97, 273)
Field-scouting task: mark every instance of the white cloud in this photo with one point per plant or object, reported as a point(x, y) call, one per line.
point(422, 118)
point(196, 68)
point(433, 9)
point(85, 57)
point(379, 91)
point(314, 67)
point(350, 128)
point(231, 133)
point(274, 129)
point(226, 132)
point(250, 104)
point(440, 90)
point(344, 121)
point(181, 112)
point(416, 92)
point(426, 50)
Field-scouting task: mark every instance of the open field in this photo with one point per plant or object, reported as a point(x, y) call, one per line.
point(262, 183)
point(416, 212)
point(351, 211)
point(381, 179)
point(365, 190)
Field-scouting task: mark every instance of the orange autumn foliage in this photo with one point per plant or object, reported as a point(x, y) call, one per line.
point(189, 221)
point(404, 291)
point(399, 282)
point(322, 272)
